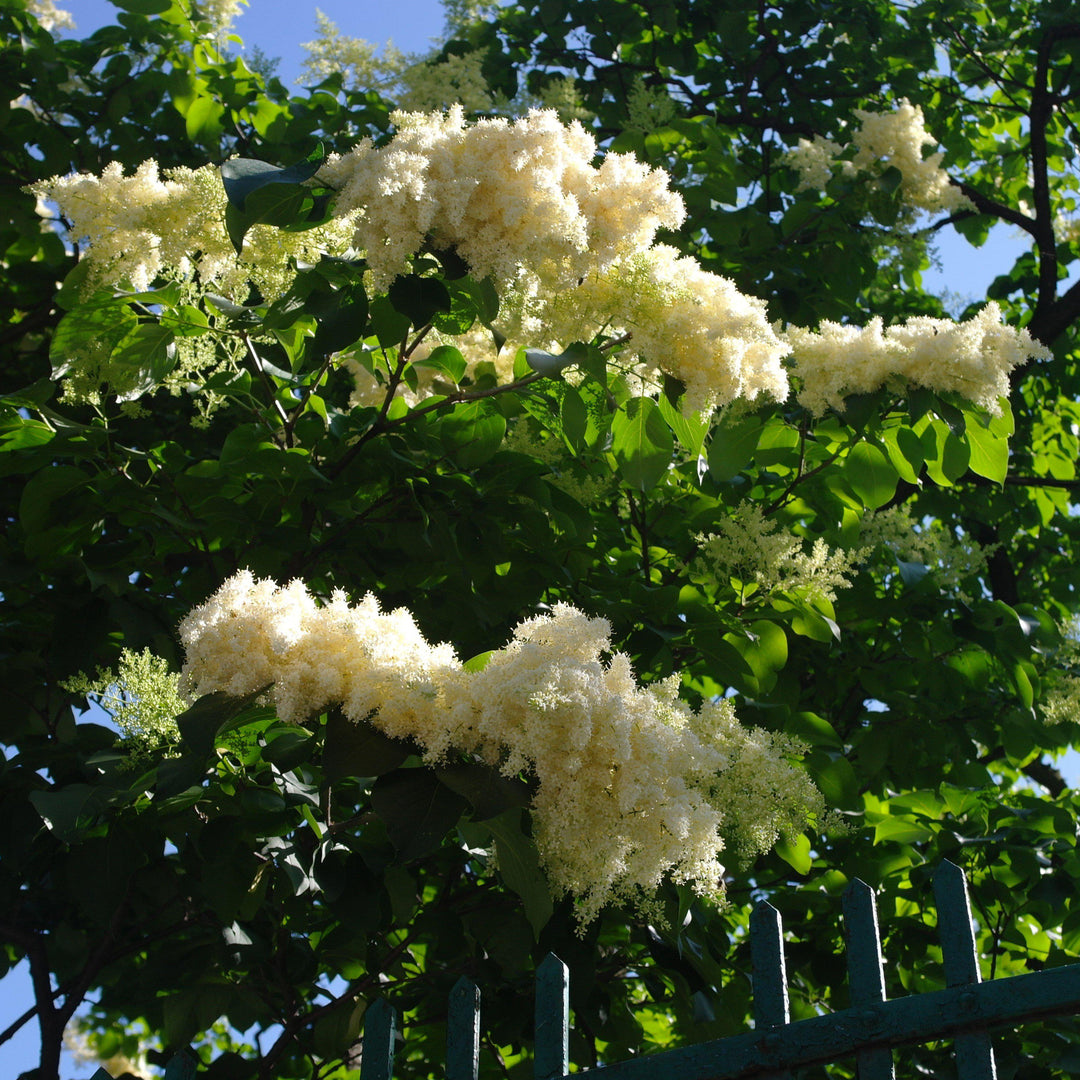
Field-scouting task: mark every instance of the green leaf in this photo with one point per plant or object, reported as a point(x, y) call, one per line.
point(144, 7)
point(289, 748)
point(488, 791)
point(551, 364)
point(417, 810)
point(473, 432)
point(989, 453)
point(870, 474)
point(358, 749)
point(447, 360)
point(796, 853)
point(419, 298)
point(479, 661)
point(244, 176)
point(142, 360)
point(343, 325)
point(212, 715)
point(68, 810)
point(689, 430)
point(732, 445)
point(43, 491)
point(641, 442)
point(519, 866)
point(574, 415)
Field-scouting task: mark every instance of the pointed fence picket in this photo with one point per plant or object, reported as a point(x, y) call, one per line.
point(868, 1031)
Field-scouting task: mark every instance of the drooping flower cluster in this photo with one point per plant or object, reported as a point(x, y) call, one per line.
point(764, 558)
point(883, 139)
point(143, 226)
point(632, 784)
point(972, 358)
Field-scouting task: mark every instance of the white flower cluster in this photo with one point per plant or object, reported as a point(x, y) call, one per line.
point(221, 14)
point(1061, 702)
point(765, 558)
point(143, 226)
point(952, 559)
point(50, 16)
point(972, 358)
point(883, 139)
point(142, 697)
point(569, 245)
point(506, 194)
point(632, 784)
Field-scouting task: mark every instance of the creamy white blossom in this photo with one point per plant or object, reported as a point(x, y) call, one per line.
point(505, 194)
point(972, 358)
point(632, 785)
point(764, 557)
point(50, 16)
point(881, 140)
point(146, 225)
point(953, 559)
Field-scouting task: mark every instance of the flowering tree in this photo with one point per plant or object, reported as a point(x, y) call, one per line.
point(749, 565)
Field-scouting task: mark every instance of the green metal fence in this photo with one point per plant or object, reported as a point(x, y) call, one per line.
point(869, 1031)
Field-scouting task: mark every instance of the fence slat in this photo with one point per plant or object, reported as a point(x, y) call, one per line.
point(463, 1031)
point(866, 979)
point(974, 1052)
point(552, 1058)
point(770, 979)
point(182, 1065)
point(377, 1055)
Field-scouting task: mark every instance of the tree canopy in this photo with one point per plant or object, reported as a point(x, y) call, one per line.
point(557, 532)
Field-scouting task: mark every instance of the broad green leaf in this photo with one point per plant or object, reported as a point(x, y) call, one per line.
point(358, 749)
point(419, 298)
point(732, 445)
point(488, 791)
point(447, 360)
point(689, 430)
point(870, 474)
point(473, 432)
point(550, 363)
point(144, 7)
point(142, 360)
point(38, 505)
point(417, 810)
point(989, 453)
point(212, 715)
point(519, 865)
point(574, 415)
point(69, 809)
point(642, 443)
point(243, 176)
point(796, 853)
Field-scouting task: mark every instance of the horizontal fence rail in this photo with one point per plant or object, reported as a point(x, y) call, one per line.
point(868, 1031)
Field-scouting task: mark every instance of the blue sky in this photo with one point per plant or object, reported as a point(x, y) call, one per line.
point(278, 27)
